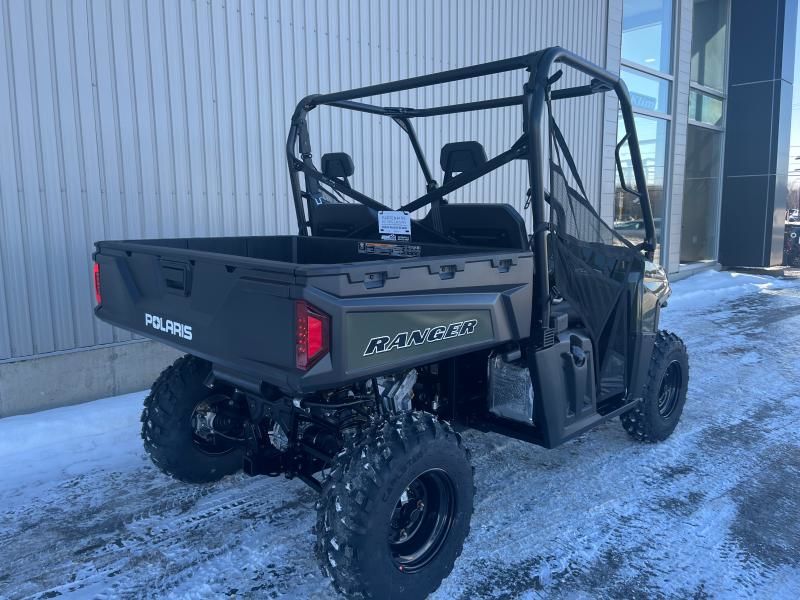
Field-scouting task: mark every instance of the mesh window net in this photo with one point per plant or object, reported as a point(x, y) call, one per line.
point(592, 266)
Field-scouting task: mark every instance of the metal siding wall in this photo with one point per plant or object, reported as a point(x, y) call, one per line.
point(151, 118)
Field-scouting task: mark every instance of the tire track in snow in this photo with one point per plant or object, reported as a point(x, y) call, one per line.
point(170, 532)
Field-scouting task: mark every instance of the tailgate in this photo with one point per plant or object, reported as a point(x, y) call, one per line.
point(233, 311)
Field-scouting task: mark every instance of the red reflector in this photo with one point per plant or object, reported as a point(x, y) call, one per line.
point(311, 332)
point(97, 284)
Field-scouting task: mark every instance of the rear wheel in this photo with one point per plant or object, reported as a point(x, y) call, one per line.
point(656, 417)
point(395, 511)
point(192, 432)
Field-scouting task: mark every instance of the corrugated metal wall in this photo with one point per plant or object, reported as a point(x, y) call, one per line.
point(127, 119)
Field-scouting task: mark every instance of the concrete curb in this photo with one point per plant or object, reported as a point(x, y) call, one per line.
point(71, 378)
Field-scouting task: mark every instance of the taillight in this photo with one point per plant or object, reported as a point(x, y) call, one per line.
point(312, 335)
point(97, 295)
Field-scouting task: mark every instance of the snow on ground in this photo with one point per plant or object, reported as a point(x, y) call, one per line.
point(712, 512)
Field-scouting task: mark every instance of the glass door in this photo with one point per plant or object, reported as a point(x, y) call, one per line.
point(702, 188)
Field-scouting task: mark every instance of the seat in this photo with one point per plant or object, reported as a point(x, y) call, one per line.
point(337, 165)
point(340, 219)
point(565, 308)
point(460, 157)
point(486, 225)
point(330, 216)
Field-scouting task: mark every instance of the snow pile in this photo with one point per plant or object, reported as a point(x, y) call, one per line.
point(41, 449)
point(711, 288)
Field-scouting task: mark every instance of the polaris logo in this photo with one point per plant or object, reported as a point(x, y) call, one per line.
point(167, 326)
point(417, 337)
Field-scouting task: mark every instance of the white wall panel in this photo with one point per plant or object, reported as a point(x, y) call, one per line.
point(680, 121)
point(150, 118)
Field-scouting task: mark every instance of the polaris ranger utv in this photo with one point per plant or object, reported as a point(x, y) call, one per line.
point(346, 355)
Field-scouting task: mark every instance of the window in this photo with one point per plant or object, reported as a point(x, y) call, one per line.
point(646, 69)
point(701, 194)
point(647, 33)
point(709, 49)
point(628, 220)
point(647, 92)
point(709, 31)
point(705, 108)
point(704, 138)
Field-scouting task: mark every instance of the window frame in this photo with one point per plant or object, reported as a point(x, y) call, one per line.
point(721, 97)
point(668, 117)
point(654, 75)
point(673, 54)
point(721, 129)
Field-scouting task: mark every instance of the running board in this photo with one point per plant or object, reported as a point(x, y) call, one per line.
point(533, 434)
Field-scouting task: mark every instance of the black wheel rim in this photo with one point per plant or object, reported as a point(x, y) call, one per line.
point(217, 425)
point(670, 390)
point(421, 520)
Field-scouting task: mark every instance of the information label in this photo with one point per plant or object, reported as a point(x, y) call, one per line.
point(395, 222)
point(400, 250)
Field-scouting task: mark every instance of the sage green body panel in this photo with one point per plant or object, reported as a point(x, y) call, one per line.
point(412, 335)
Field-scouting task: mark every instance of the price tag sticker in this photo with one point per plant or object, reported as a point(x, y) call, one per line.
point(394, 222)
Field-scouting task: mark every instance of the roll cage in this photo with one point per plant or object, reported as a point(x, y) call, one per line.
point(535, 101)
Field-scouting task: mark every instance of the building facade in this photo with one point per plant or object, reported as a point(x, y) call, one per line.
point(141, 118)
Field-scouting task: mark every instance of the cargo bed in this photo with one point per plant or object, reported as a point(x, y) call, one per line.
point(387, 306)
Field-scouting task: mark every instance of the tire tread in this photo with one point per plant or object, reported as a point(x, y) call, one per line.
point(359, 470)
point(636, 422)
point(163, 433)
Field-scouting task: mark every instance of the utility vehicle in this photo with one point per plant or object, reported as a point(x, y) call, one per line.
point(791, 245)
point(348, 355)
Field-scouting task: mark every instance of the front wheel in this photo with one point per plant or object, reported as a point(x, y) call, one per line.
point(396, 509)
point(656, 417)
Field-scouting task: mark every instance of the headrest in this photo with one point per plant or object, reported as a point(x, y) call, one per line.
point(337, 164)
point(458, 157)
